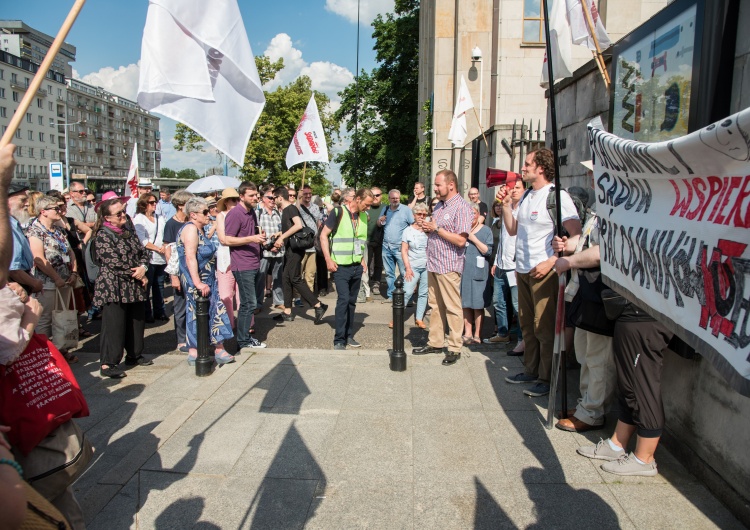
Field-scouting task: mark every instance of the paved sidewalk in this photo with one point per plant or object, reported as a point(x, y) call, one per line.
point(313, 438)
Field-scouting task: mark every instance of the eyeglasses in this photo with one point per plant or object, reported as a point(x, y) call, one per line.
point(421, 213)
point(205, 212)
point(212, 207)
point(77, 191)
point(377, 194)
point(269, 197)
point(51, 208)
point(292, 196)
point(118, 214)
point(152, 202)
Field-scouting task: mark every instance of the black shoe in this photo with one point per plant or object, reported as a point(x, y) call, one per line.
point(512, 353)
point(139, 361)
point(283, 317)
point(426, 349)
point(323, 292)
point(353, 343)
point(320, 312)
point(113, 372)
point(451, 358)
point(339, 346)
point(150, 320)
point(163, 318)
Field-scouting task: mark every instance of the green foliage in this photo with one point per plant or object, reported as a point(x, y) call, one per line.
point(167, 173)
point(265, 158)
point(385, 149)
point(425, 148)
point(188, 173)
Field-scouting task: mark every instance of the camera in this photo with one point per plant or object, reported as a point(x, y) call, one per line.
point(270, 243)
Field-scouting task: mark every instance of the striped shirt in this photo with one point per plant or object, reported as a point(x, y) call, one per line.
point(454, 215)
point(270, 223)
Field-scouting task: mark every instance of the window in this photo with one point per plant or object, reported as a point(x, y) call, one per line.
point(50, 107)
point(533, 22)
point(28, 117)
point(30, 134)
point(41, 136)
point(40, 119)
point(41, 153)
point(3, 112)
point(39, 103)
point(13, 78)
point(18, 133)
point(2, 73)
point(52, 138)
point(2, 93)
point(31, 152)
point(15, 96)
point(53, 155)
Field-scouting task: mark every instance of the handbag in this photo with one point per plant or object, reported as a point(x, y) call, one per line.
point(303, 239)
point(38, 393)
point(64, 323)
point(173, 266)
point(40, 513)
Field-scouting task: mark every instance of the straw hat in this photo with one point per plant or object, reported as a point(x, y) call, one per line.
point(228, 193)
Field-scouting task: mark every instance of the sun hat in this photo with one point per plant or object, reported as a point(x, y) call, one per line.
point(110, 195)
point(228, 193)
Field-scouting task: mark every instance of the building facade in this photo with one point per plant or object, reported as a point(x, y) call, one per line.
point(99, 128)
point(503, 77)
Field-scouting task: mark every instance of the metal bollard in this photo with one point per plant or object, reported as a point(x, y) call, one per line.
point(204, 363)
point(398, 355)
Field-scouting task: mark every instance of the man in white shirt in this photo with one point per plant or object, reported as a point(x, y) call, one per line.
point(144, 186)
point(535, 259)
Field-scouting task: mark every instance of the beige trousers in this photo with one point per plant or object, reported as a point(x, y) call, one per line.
point(598, 375)
point(444, 298)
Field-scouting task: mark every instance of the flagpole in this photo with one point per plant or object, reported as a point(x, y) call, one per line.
point(592, 30)
point(41, 73)
point(480, 129)
point(557, 356)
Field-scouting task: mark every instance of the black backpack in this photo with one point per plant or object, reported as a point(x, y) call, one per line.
point(581, 208)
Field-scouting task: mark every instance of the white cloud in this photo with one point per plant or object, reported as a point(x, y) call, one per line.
point(122, 81)
point(368, 9)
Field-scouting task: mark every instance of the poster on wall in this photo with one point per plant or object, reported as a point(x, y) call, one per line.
point(653, 81)
point(675, 238)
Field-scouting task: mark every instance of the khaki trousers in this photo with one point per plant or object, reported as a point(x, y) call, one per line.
point(537, 301)
point(444, 298)
point(309, 270)
point(598, 375)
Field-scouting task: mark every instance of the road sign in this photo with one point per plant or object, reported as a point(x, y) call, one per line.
point(56, 181)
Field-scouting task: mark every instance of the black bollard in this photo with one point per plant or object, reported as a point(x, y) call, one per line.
point(398, 355)
point(204, 363)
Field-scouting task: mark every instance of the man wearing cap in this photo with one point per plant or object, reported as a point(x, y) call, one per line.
point(164, 207)
point(23, 261)
point(144, 186)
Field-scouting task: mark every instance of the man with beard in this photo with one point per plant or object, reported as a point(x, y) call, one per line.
point(23, 261)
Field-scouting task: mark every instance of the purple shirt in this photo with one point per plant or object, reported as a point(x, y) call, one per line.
point(241, 223)
point(454, 215)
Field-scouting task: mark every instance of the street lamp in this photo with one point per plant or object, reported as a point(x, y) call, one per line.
point(154, 153)
point(476, 56)
point(67, 156)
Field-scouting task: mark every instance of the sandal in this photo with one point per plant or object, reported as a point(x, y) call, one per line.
point(476, 340)
point(84, 333)
point(71, 358)
point(222, 357)
point(466, 339)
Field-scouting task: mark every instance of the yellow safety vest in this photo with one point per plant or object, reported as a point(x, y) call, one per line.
point(347, 245)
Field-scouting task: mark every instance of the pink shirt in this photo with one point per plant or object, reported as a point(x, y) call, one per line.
point(454, 215)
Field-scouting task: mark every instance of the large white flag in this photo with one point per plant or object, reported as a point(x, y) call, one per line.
point(197, 67)
point(458, 132)
point(579, 28)
point(560, 45)
point(309, 141)
point(133, 176)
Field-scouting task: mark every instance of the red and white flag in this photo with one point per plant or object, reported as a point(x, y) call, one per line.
point(560, 45)
point(579, 28)
point(458, 132)
point(197, 67)
point(309, 141)
point(131, 184)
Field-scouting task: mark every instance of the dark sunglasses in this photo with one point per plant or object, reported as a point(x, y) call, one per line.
point(377, 194)
point(55, 208)
point(205, 212)
point(269, 197)
point(152, 202)
point(119, 214)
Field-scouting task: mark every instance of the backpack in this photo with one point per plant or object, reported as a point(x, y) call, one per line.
point(91, 260)
point(303, 239)
point(339, 212)
point(581, 208)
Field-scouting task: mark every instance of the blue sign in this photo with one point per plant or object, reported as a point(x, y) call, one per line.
point(56, 176)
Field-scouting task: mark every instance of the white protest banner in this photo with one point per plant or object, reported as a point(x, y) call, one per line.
point(309, 141)
point(674, 234)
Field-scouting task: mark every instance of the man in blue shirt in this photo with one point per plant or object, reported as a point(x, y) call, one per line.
point(165, 208)
point(396, 219)
point(23, 261)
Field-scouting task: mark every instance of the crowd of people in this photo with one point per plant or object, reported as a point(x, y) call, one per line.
point(111, 259)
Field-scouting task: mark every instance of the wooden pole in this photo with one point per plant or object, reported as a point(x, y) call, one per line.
point(592, 30)
point(482, 130)
point(41, 73)
point(303, 175)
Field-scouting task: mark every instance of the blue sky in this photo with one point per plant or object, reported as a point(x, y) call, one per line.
point(315, 37)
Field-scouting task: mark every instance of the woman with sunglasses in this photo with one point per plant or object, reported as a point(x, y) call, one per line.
point(414, 254)
point(149, 227)
point(54, 262)
point(227, 285)
point(120, 287)
point(198, 274)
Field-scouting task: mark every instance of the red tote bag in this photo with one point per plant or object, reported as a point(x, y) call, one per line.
point(39, 393)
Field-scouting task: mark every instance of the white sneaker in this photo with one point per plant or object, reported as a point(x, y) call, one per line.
point(254, 344)
point(629, 466)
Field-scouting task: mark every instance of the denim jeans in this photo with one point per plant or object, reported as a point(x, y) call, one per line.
point(155, 291)
point(500, 293)
point(420, 275)
point(274, 267)
point(347, 281)
point(246, 287)
point(391, 258)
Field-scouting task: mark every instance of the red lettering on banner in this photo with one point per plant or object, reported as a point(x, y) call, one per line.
point(311, 142)
point(727, 197)
point(719, 286)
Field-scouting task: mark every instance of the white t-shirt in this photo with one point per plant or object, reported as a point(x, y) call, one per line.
point(505, 258)
point(535, 227)
point(153, 233)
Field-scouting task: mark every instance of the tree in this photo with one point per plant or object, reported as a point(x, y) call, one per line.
point(188, 173)
point(167, 173)
point(385, 149)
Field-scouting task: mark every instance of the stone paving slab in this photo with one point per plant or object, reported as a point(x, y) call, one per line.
point(287, 438)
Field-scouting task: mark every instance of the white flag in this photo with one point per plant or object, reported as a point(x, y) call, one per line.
point(133, 176)
point(309, 141)
point(560, 44)
point(579, 27)
point(197, 67)
point(458, 132)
